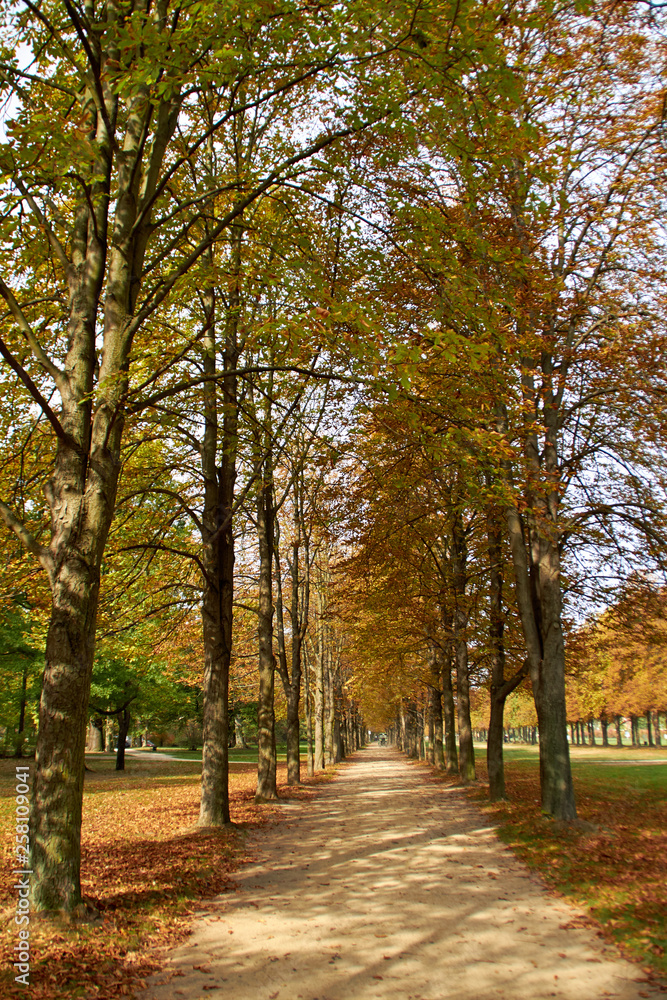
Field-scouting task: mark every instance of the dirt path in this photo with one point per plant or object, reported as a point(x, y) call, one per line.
point(389, 887)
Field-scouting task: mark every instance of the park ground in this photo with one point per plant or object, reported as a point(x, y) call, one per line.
point(149, 872)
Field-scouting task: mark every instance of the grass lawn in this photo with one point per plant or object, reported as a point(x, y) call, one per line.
point(145, 867)
point(616, 871)
point(248, 755)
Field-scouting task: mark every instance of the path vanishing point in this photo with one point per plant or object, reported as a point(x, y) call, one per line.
point(388, 885)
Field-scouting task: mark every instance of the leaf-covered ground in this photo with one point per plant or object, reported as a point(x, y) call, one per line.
point(145, 867)
point(617, 871)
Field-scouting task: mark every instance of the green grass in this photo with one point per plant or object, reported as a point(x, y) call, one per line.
point(614, 866)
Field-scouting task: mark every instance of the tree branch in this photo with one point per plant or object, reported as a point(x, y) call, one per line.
point(34, 391)
point(40, 355)
point(27, 540)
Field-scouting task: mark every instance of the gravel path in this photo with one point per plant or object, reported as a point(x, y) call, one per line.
point(386, 886)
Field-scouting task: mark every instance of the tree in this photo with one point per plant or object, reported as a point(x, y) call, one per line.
point(97, 208)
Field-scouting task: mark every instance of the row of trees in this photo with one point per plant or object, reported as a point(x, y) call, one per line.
point(343, 325)
point(520, 475)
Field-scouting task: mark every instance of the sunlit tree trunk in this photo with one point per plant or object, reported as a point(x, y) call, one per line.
point(218, 553)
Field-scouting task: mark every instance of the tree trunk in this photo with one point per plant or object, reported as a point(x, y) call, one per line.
point(291, 681)
point(329, 712)
point(298, 612)
point(459, 557)
point(449, 718)
point(96, 735)
point(20, 735)
point(55, 833)
point(337, 689)
point(218, 552)
point(438, 749)
point(430, 711)
point(604, 726)
point(123, 730)
point(494, 748)
point(411, 730)
point(537, 581)
point(320, 670)
point(309, 715)
point(217, 614)
point(267, 790)
point(539, 600)
point(498, 694)
point(619, 734)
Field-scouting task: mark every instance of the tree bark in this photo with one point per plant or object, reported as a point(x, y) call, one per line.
point(430, 713)
point(329, 712)
point(539, 603)
point(449, 717)
point(337, 686)
point(320, 655)
point(218, 551)
point(266, 728)
point(604, 726)
point(298, 613)
point(498, 694)
point(436, 703)
point(123, 730)
point(96, 735)
point(309, 715)
point(619, 734)
point(20, 734)
point(459, 557)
